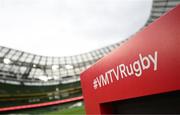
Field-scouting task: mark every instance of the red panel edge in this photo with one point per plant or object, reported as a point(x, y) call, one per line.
point(41, 104)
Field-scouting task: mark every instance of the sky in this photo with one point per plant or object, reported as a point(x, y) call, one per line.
point(69, 27)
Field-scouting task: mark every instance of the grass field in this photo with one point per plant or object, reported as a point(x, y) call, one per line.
point(72, 111)
point(53, 110)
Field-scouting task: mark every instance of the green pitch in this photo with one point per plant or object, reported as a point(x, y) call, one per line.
point(72, 111)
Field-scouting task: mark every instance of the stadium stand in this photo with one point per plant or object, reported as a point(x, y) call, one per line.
point(31, 79)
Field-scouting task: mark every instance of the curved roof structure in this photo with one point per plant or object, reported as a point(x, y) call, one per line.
point(18, 67)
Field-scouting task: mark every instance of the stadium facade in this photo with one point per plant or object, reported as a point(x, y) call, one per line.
point(27, 78)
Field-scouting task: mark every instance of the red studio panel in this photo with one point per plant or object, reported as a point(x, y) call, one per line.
point(140, 76)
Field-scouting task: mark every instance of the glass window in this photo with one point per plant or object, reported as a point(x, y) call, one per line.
point(62, 60)
point(32, 73)
point(49, 61)
point(70, 72)
point(77, 70)
point(36, 59)
point(22, 69)
point(79, 59)
point(29, 58)
point(56, 73)
point(69, 62)
point(43, 61)
point(56, 61)
point(6, 67)
point(16, 56)
point(74, 60)
point(23, 57)
point(3, 51)
point(63, 73)
point(15, 69)
point(49, 72)
point(1, 65)
point(10, 54)
point(38, 72)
